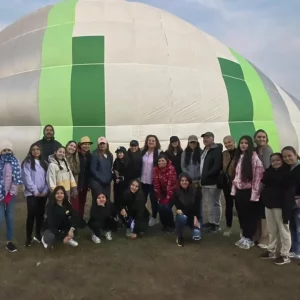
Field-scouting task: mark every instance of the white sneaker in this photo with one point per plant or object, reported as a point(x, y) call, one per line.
point(262, 246)
point(247, 244)
point(108, 236)
point(95, 239)
point(294, 255)
point(152, 222)
point(240, 241)
point(44, 244)
point(128, 232)
point(72, 243)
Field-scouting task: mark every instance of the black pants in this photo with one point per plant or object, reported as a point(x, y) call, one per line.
point(119, 189)
point(166, 215)
point(35, 213)
point(106, 224)
point(98, 188)
point(248, 212)
point(229, 203)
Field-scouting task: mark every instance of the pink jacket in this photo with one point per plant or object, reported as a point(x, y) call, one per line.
point(258, 171)
point(9, 186)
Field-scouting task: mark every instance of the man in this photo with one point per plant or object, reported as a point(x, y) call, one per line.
point(48, 143)
point(210, 167)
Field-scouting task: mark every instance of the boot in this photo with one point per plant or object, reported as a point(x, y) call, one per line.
point(264, 239)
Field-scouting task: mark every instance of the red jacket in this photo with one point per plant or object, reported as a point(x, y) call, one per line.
point(165, 183)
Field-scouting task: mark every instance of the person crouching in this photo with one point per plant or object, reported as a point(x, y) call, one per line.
point(61, 221)
point(101, 218)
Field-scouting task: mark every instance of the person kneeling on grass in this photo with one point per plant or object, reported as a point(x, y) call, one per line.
point(188, 208)
point(101, 218)
point(133, 209)
point(278, 199)
point(61, 221)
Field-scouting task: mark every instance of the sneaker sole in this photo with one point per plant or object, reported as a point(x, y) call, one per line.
point(11, 251)
point(283, 263)
point(266, 258)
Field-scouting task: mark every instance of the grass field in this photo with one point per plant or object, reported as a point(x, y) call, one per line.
point(151, 268)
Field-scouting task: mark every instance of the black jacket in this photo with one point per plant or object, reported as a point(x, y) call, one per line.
point(60, 219)
point(278, 191)
point(85, 173)
point(134, 164)
point(187, 201)
point(134, 204)
point(99, 213)
point(49, 147)
point(176, 161)
point(212, 166)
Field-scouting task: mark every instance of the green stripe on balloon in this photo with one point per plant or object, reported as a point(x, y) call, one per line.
point(240, 102)
point(263, 116)
point(88, 87)
point(55, 79)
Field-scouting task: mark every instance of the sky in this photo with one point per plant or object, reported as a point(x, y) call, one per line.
point(266, 32)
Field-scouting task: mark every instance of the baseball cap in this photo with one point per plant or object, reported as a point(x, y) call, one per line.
point(102, 139)
point(193, 138)
point(208, 133)
point(134, 143)
point(174, 139)
point(121, 149)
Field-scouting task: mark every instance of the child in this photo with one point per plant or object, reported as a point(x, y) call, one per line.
point(61, 221)
point(187, 203)
point(10, 178)
point(277, 198)
point(101, 218)
point(245, 187)
point(133, 209)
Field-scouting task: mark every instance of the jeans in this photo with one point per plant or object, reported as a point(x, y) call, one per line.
point(166, 215)
point(211, 196)
point(182, 221)
point(7, 213)
point(148, 190)
point(295, 231)
point(35, 214)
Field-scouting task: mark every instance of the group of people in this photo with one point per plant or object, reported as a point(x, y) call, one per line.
point(264, 187)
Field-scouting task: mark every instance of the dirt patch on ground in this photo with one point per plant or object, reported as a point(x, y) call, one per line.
point(146, 269)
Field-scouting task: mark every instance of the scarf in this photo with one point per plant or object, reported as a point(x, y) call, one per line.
point(16, 172)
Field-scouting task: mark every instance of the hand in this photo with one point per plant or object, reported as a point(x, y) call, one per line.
point(117, 180)
point(123, 213)
point(37, 195)
point(44, 194)
point(70, 234)
point(179, 212)
point(66, 239)
point(74, 192)
point(196, 222)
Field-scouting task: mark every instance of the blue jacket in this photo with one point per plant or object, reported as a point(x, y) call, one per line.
point(101, 168)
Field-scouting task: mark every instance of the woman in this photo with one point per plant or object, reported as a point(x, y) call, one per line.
point(187, 204)
point(74, 164)
point(134, 160)
point(133, 209)
point(59, 173)
point(34, 170)
point(291, 158)
point(278, 199)
point(101, 218)
point(227, 177)
point(245, 188)
point(61, 221)
point(264, 152)
point(10, 178)
point(150, 153)
point(164, 182)
point(101, 169)
point(85, 159)
point(120, 169)
point(174, 153)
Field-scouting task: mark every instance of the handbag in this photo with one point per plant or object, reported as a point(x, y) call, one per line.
point(224, 178)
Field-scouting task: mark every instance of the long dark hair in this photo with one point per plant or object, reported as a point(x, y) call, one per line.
point(247, 172)
point(52, 199)
point(124, 160)
point(64, 160)
point(171, 149)
point(107, 151)
point(188, 153)
point(161, 155)
point(145, 148)
point(29, 158)
point(139, 193)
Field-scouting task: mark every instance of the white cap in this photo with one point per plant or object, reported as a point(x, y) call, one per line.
point(6, 145)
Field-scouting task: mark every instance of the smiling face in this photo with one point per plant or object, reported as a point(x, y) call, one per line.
point(59, 196)
point(120, 155)
point(60, 153)
point(289, 157)
point(134, 187)
point(193, 145)
point(244, 145)
point(101, 199)
point(151, 142)
point(85, 147)
point(134, 148)
point(276, 161)
point(175, 144)
point(49, 133)
point(184, 183)
point(261, 139)
point(72, 147)
point(35, 151)
point(229, 143)
point(208, 140)
point(162, 163)
point(102, 147)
